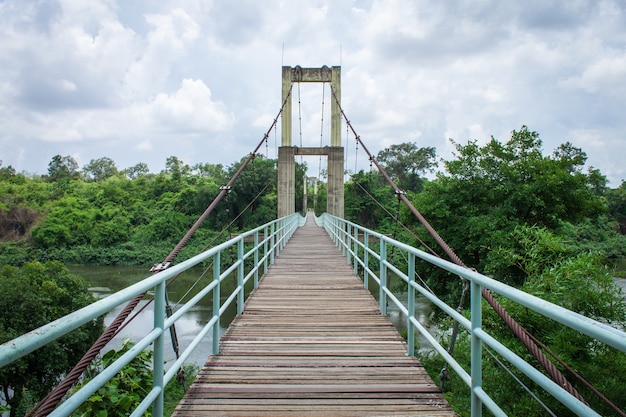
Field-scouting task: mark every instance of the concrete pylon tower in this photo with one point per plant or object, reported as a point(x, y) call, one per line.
point(287, 152)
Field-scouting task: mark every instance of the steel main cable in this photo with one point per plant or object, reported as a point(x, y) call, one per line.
point(207, 246)
point(443, 374)
point(520, 332)
point(50, 401)
point(394, 218)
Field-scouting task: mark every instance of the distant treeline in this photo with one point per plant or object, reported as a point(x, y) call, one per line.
point(545, 223)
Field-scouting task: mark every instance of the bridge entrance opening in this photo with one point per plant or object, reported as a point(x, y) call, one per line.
point(287, 152)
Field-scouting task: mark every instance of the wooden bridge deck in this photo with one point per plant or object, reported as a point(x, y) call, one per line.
point(312, 342)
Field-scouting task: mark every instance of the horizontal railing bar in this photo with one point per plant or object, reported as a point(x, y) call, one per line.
point(465, 377)
point(489, 403)
point(373, 275)
point(230, 299)
point(585, 325)
point(147, 402)
point(249, 275)
point(401, 307)
point(27, 343)
point(396, 271)
point(190, 304)
point(229, 270)
point(542, 380)
point(187, 352)
point(345, 235)
point(463, 321)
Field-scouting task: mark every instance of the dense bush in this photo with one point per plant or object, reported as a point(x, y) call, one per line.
point(125, 217)
point(32, 296)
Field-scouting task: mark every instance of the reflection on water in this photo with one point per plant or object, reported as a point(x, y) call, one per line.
point(106, 280)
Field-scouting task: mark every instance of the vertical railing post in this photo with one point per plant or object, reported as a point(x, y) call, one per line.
point(410, 327)
point(256, 260)
point(476, 366)
point(345, 248)
point(266, 236)
point(272, 242)
point(346, 240)
point(281, 233)
point(355, 249)
point(382, 295)
point(217, 261)
point(366, 259)
point(240, 274)
point(158, 357)
point(277, 232)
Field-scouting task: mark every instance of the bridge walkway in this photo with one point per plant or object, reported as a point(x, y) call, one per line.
point(312, 342)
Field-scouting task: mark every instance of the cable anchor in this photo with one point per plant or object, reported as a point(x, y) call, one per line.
point(160, 267)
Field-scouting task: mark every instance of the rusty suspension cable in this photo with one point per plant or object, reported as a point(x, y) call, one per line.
point(50, 401)
point(520, 332)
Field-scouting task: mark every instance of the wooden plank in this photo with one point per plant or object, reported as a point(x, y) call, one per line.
point(312, 342)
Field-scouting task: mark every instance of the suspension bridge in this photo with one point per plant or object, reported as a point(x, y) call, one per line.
point(311, 340)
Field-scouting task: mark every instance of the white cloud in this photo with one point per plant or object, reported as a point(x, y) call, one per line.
point(128, 79)
point(606, 75)
point(190, 109)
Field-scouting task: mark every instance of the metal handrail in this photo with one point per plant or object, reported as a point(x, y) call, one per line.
point(346, 235)
point(274, 234)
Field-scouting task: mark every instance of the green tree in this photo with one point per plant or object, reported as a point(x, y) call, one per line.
point(62, 168)
point(176, 168)
point(215, 171)
point(99, 169)
point(617, 206)
point(136, 170)
point(32, 296)
point(258, 179)
point(6, 172)
point(405, 162)
point(489, 190)
point(579, 281)
point(365, 193)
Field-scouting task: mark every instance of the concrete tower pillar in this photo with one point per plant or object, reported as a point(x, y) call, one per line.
point(334, 204)
point(286, 162)
point(287, 152)
point(286, 186)
point(305, 195)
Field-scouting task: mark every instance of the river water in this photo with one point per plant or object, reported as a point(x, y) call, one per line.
point(105, 280)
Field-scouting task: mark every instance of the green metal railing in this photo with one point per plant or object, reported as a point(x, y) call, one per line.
point(269, 240)
point(355, 241)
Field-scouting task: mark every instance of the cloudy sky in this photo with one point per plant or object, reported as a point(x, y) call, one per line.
point(140, 80)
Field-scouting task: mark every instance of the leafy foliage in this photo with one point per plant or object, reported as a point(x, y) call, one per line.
point(124, 392)
point(99, 169)
point(405, 162)
point(128, 217)
point(493, 189)
point(62, 168)
point(32, 296)
point(617, 204)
